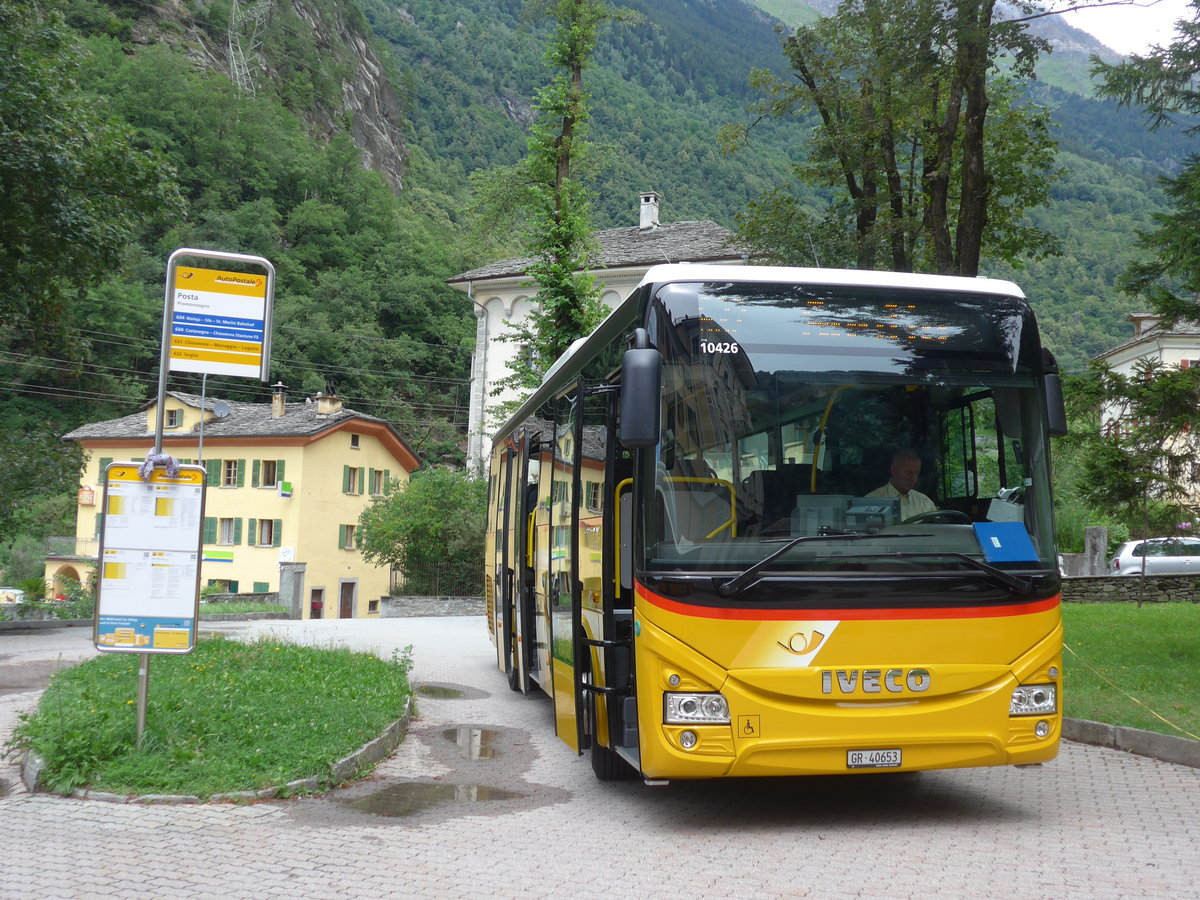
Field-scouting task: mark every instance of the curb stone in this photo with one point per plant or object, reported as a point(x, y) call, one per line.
point(340, 772)
point(1165, 747)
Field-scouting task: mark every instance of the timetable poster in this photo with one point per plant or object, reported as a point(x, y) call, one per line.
point(147, 584)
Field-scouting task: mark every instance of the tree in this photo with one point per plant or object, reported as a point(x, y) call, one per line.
point(1163, 82)
point(1140, 454)
point(73, 188)
point(906, 95)
point(549, 187)
point(429, 528)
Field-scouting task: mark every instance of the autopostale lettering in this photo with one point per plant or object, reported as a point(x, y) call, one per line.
point(874, 681)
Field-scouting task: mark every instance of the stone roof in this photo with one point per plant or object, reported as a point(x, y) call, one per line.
point(634, 246)
point(1153, 332)
point(245, 420)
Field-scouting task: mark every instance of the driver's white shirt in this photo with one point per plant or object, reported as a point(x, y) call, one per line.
point(911, 504)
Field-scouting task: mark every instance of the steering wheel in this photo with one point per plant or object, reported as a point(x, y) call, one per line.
point(954, 515)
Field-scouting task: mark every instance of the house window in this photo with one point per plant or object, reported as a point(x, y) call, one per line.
point(595, 496)
point(269, 473)
point(354, 442)
point(346, 536)
point(354, 480)
point(373, 607)
point(266, 532)
point(227, 531)
point(174, 418)
point(229, 473)
point(378, 482)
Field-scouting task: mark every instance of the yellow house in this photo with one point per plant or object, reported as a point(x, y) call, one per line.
point(286, 483)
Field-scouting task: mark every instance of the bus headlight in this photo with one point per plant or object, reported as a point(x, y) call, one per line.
point(1034, 700)
point(687, 709)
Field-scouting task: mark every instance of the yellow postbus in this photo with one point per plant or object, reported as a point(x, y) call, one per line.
point(777, 521)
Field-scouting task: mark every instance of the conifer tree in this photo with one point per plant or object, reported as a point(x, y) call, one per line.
point(551, 184)
point(1163, 82)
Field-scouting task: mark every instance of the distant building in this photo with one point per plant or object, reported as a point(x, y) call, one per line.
point(286, 483)
point(1178, 346)
point(503, 293)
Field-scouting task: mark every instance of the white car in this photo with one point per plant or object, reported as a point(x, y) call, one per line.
point(1157, 556)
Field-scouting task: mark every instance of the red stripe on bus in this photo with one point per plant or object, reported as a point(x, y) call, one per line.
point(847, 613)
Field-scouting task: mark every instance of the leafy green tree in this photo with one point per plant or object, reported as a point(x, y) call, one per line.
point(39, 474)
point(74, 189)
point(1139, 452)
point(1163, 82)
point(933, 159)
point(430, 527)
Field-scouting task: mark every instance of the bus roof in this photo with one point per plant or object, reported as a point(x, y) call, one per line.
point(617, 320)
point(786, 274)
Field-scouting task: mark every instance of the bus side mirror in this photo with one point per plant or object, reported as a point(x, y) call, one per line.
point(1056, 411)
point(641, 384)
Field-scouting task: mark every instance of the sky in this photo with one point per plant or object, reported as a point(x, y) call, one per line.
point(1131, 29)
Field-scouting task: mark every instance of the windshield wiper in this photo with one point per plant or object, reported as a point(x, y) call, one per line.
point(739, 583)
point(1007, 579)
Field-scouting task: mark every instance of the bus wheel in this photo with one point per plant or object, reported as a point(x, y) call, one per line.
point(514, 672)
point(609, 766)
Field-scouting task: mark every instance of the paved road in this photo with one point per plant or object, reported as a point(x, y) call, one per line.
point(482, 800)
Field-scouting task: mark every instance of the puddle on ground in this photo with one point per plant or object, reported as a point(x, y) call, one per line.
point(439, 692)
point(473, 743)
point(412, 797)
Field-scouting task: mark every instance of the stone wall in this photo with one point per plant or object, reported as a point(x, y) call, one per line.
point(268, 597)
point(407, 607)
point(1132, 589)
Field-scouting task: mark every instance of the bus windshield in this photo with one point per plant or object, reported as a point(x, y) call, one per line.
point(894, 430)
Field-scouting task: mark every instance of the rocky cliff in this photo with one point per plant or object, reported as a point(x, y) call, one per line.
point(261, 45)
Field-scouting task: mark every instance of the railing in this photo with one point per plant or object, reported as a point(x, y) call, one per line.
point(439, 581)
point(88, 548)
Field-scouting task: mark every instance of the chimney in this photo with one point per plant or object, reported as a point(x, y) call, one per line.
point(648, 211)
point(278, 400)
point(328, 404)
point(1142, 322)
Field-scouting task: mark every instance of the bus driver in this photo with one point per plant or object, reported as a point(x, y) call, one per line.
point(905, 469)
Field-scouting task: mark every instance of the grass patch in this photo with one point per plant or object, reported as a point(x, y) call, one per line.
point(1118, 651)
point(227, 717)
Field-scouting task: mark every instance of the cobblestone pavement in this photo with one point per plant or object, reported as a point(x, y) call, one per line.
point(482, 800)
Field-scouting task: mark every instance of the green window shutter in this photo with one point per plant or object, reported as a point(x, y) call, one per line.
point(210, 530)
point(345, 479)
point(241, 473)
point(277, 531)
point(233, 587)
point(252, 532)
point(255, 474)
point(104, 461)
point(261, 587)
point(278, 471)
point(341, 535)
point(387, 480)
point(362, 480)
point(237, 531)
point(371, 481)
point(213, 472)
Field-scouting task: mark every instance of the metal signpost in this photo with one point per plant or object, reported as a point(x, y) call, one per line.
point(215, 322)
